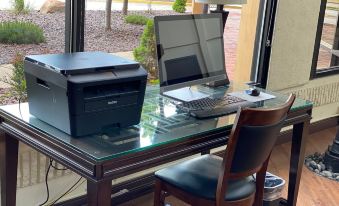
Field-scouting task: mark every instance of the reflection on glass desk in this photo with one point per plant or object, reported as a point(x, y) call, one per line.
point(161, 123)
point(163, 135)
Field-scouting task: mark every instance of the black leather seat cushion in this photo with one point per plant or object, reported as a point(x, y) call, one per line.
point(199, 177)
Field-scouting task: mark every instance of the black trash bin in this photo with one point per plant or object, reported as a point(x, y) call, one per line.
point(272, 189)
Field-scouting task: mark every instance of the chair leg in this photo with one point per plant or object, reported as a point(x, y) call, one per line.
point(260, 181)
point(159, 198)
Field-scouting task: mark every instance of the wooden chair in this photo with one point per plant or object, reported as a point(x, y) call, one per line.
point(210, 180)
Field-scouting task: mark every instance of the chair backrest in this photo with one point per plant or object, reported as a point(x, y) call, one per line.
point(251, 141)
point(254, 146)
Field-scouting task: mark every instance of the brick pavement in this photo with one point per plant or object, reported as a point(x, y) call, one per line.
point(231, 36)
point(324, 57)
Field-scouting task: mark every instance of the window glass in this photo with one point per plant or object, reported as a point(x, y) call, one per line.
point(27, 27)
point(329, 44)
point(125, 31)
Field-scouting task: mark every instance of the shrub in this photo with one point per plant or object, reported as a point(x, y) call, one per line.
point(17, 79)
point(19, 7)
point(20, 33)
point(146, 53)
point(179, 6)
point(136, 19)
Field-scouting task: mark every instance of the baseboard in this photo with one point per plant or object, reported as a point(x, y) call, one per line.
point(140, 186)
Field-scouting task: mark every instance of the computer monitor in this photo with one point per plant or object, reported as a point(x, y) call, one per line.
point(190, 51)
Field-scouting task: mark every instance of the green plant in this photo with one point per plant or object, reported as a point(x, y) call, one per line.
point(179, 6)
point(20, 33)
point(146, 53)
point(16, 80)
point(19, 7)
point(136, 19)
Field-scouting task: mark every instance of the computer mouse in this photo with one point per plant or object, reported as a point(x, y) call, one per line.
point(253, 92)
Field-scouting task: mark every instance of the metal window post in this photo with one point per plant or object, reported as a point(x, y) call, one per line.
point(264, 36)
point(74, 25)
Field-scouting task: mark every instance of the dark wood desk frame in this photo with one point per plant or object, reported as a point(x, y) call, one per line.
point(99, 174)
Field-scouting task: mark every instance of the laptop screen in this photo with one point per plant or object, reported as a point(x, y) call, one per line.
point(190, 49)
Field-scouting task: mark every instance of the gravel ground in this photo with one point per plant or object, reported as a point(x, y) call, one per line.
point(123, 37)
point(6, 100)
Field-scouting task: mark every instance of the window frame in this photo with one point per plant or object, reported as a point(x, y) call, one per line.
point(263, 43)
point(74, 25)
point(332, 70)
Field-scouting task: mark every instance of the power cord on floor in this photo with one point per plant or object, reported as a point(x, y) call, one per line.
point(56, 168)
point(46, 177)
point(72, 188)
point(67, 192)
point(46, 182)
point(77, 186)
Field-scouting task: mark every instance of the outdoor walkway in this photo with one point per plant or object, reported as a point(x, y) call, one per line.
point(327, 39)
point(135, 5)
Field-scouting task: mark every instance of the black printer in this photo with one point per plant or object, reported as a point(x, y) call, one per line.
point(83, 93)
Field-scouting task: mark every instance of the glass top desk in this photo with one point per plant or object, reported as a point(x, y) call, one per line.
point(163, 135)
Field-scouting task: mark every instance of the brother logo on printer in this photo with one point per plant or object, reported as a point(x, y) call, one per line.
point(112, 102)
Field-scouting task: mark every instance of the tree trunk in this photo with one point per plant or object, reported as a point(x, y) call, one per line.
point(108, 15)
point(125, 7)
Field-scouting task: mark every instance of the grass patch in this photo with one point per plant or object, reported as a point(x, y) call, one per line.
point(20, 33)
point(19, 7)
point(136, 19)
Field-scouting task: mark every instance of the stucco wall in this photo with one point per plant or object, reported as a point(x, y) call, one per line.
point(293, 42)
point(291, 57)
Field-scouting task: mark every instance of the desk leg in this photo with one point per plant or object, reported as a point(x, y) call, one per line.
point(8, 169)
point(99, 193)
point(300, 133)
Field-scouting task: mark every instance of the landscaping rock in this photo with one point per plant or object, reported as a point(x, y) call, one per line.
point(123, 37)
point(326, 173)
point(52, 6)
point(5, 72)
point(7, 100)
point(313, 165)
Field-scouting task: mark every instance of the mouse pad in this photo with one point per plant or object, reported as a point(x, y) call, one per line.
point(243, 95)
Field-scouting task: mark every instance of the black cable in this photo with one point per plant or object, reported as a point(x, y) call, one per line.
point(56, 168)
point(77, 186)
point(46, 182)
point(66, 191)
point(62, 169)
